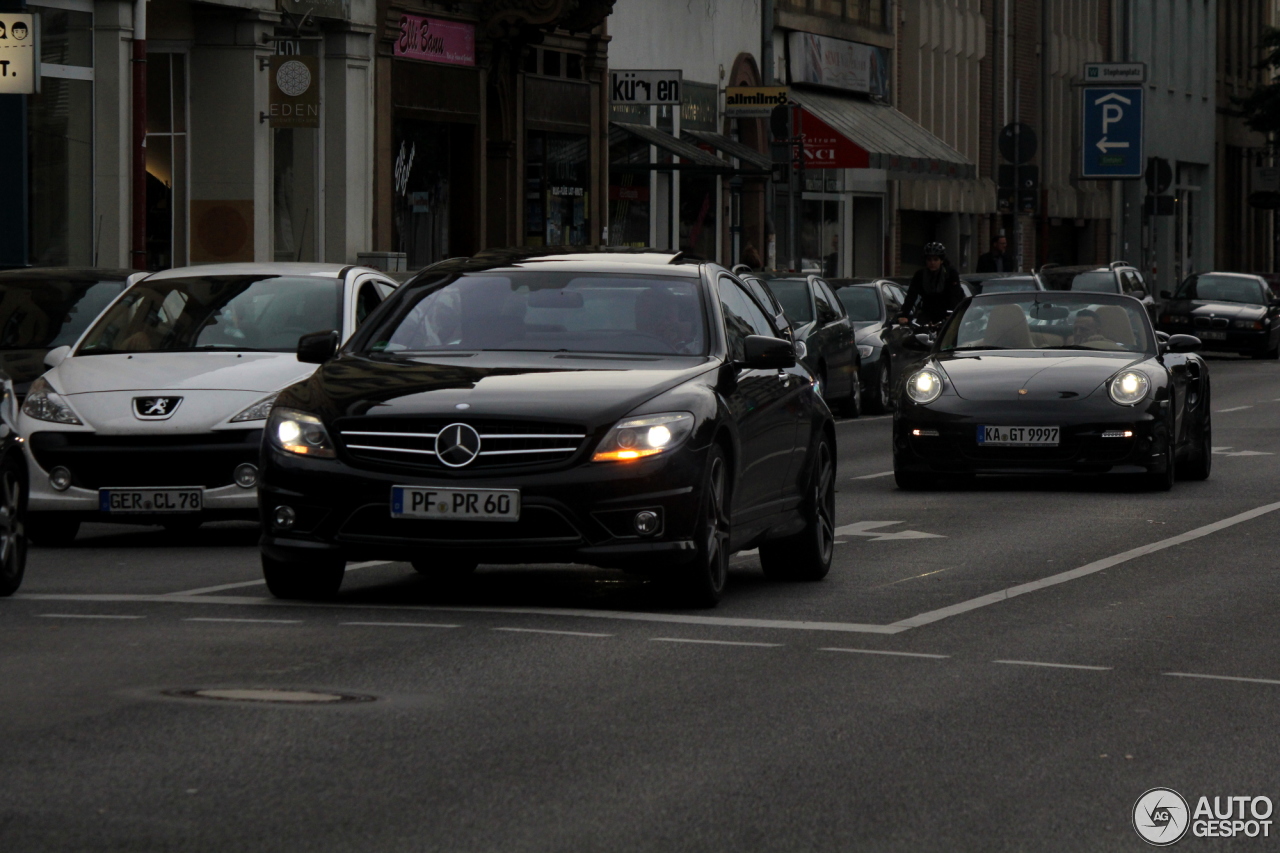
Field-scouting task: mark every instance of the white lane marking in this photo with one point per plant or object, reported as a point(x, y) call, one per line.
point(400, 624)
point(884, 652)
point(1227, 451)
point(1053, 665)
point(862, 420)
point(1223, 677)
point(714, 642)
point(1088, 569)
point(546, 631)
point(623, 615)
point(86, 616)
point(1232, 409)
point(205, 589)
point(264, 621)
point(873, 476)
point(872, 530)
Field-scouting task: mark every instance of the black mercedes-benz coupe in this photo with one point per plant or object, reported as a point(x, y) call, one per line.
point(621, 409)
point(1054, 383)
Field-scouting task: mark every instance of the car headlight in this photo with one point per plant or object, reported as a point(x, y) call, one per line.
point(924, 386)
point(298, 432)
point(45, 404)
point(258, 411)
point(1247, 324)
point(865, 350)
point(1129, 388)
point(635, 438)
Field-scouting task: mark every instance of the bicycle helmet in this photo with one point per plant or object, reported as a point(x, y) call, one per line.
point(934, 250)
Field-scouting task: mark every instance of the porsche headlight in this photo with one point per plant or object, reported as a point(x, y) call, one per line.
point(924, 386)
point(258, 411)
point(635, 438)
point(45, 404)
point(1129, 388)
point(298, 432)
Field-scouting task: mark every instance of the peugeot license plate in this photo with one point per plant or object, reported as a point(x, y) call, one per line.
point(455, 504)
point(1015, 436)
point(173, 500)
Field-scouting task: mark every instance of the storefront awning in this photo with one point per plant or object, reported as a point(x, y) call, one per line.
point(892, 141)
point(745, 154)
point(691, 156)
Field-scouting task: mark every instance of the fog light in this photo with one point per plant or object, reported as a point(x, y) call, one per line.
point(60, 478)
point(246, 475)
point(285, 517)
point(921, 433)
point(646, 522)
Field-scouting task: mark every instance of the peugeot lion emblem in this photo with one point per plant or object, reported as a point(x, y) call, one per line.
point(457, 445)
point(155, 408)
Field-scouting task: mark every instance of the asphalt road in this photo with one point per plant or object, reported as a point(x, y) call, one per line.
point(985, 668)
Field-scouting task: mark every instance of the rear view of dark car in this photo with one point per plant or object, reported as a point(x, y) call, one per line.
point(1118, 278)
point(1228, 312)
point(41, 309)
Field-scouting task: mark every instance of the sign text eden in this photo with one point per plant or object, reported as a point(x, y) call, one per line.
point(643, 88)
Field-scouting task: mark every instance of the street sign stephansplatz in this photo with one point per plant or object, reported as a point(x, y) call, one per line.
point(1113, 140)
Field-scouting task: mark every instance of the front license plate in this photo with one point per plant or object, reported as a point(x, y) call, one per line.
point(455, 504)
point(121, 501)
point(1212, 336)
point(1013, 436)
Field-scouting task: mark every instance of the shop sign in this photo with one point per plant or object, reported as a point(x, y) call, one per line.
point(294, 91)
point(826, 148)
point(19, 54)
point(754, 101)
point(1115, 72)
point(643, 88)
point(432, 40)
point(838, 64)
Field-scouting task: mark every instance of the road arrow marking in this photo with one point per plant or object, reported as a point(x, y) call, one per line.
point(871, 530)
point(1104, 146)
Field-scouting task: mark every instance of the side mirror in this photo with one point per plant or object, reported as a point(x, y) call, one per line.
point(1164, 294)
point(764, 353)
point(56, 356)
point(317, 347)
point(918, 343)
point(1183, 343)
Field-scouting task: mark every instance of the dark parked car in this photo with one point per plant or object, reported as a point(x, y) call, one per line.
point(47, 307)
point(820, 322)
point(1229, 312)
point(1119, 277)
point(1045, 383)
point(874, 307)
point(627, 410)
point(13, 493)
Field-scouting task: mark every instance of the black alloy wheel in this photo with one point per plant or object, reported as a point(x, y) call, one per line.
point(806, 556)
point(51, 529)
point(883, 403)
point(1162, 481)
point(1200, 459)
point(311, 580)
point(851, 406)
point(13, 536)
point(702, 582)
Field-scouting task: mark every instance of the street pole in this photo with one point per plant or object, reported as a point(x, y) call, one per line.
point(138, 253)
point(766, 78)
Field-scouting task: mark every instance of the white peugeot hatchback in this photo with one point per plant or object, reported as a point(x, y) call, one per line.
point(155, 414)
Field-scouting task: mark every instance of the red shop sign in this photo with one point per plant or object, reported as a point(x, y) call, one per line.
point(431, 40)
point(827, 148)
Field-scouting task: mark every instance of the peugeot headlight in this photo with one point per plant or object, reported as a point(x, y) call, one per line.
point(298, 432)
point(635, 438)
point(924, 386)
point(865, 350)
point(45, 404)
point(1129, 388)
point(258, 411)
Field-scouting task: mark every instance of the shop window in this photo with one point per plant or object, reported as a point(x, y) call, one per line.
point(573, 66)
point(628, 182)
point(166, 160)
point(60, 142)
point(434, 190)
point(553, 63)
point(556, 194)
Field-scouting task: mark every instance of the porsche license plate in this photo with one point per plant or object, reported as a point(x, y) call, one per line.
point(1212, 336)
point(455, 504)
point(174, 500)
point(1015, 436)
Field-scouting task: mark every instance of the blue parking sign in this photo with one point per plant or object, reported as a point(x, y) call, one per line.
point(1112, 123)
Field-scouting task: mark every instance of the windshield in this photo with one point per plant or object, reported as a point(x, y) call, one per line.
point(548, 312)
point(1096, 281)
point(1223, 288)
point(793, 295)
point(1009, 285)
point(230, 312)
point(1048, 323)
point(44, 313)
point(861, 303)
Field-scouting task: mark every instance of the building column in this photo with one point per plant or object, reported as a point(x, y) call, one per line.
point(348, 143)
point(112, 133)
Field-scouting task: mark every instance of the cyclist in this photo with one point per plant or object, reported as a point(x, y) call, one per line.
point(934, 290)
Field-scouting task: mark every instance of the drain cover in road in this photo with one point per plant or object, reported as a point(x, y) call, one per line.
point(257, 694)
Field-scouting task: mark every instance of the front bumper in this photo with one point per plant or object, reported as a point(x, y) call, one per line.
point(579, 514)
point(1082, 449)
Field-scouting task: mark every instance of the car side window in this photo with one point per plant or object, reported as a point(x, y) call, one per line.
point(892, 306)
point(367, 299)
point(761, 294)
point(742, 317)
point(832, 299)
point(826, 313)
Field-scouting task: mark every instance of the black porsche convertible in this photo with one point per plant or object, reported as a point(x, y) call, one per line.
point(1053, 383)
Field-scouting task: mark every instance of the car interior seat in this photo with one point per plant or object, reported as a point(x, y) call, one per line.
point(1007, 328)
point(1115, 324)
